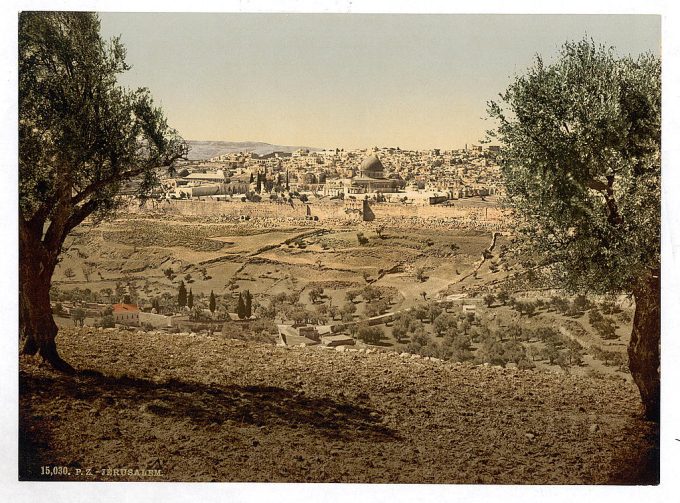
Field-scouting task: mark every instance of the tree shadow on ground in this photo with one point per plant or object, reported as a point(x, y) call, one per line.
point(207, 404)
point(383, 344)
point(203, 405)
point(641, 465)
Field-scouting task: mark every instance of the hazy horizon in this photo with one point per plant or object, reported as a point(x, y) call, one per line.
point(416, 81)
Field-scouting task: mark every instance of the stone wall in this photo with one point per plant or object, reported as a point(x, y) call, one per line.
point(339, 212)
point(155, 320)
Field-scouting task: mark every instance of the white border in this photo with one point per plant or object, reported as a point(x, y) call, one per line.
point(55, 492)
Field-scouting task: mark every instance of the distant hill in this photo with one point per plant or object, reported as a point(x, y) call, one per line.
point(201, 150)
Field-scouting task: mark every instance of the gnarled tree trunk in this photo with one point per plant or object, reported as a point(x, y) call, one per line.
point(644, 349)
point(36, 324)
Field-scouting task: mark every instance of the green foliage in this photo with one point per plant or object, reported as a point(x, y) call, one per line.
point(263, 327)
point(433, 311)
point(81, 135)
point(182, 295)
point(421, 311)
point(560, 304)
point(609, 358)
point(514, 351)
point(315, 294)
point(404, 325)
point(445, 323)
point(606, 327)
point(247, 304)
point(503, 297)
point(550, 352)
point(609, 307)
point(78, 316)
point(241, 307)
point(491, 351)
point(581, 303)
point(370, 335)
point(595, 316)
point(196, 313)
point(349, 308)
point(370, 293)
point(526, 364)
point(580, 154)
point(529, 308)
point(299, 314)
point(515, 332)
point(106, 321)
point(350, 295)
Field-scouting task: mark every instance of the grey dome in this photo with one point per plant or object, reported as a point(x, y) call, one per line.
point(371, 165)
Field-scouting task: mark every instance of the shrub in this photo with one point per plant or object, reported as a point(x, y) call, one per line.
point(514, 351)
point(106, 321)
point(370, 335)
point(315, 294)
point(525, 364)
point(489, 299)
point(550, 352)
point(606, 328)
point(503, 297)
point(491, 351)
point(625, 317)
point(444, 323)
point(609, 307)
point(581, 303)
point(595, 316)
point(560, 304)
point(370, 293)
point(78, 316)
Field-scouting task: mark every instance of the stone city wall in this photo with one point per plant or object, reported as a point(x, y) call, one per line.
point(335, 212)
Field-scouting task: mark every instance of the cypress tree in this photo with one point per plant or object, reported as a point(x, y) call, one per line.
point(241, 307)
point(212, 304)
point(182, 295)
point(190, 299)
point(248, 304)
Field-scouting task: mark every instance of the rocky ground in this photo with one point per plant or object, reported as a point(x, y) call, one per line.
point(198, 408)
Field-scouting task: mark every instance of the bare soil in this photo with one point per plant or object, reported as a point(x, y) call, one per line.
point(202, 408)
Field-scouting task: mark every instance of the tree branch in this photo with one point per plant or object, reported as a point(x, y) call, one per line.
point(104, 182)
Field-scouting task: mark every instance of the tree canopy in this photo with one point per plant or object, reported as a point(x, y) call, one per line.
point(580, 153)
point(581, 157)
point(82, 137)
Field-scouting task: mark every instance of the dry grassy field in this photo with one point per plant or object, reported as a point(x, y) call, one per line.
point(206, 408)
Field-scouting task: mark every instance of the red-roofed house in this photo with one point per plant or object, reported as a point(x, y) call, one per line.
point(126, 314)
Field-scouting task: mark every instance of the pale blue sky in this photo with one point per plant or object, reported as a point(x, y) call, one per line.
point(353, 81)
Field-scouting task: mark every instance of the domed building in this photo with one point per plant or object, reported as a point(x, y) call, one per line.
point(372, 178)
point(371, 167)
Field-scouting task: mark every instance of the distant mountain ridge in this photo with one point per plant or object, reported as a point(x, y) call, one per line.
point(201, 149)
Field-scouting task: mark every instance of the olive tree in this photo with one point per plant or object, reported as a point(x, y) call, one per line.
point(81, 137)
point(580, 155)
